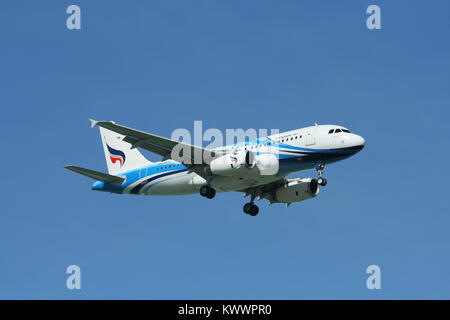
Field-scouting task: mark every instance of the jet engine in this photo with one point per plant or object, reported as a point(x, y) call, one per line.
point(297, 190)
point(267, 164)
point(232, 163)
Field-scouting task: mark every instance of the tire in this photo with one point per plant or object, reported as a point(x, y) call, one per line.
point(248, 208)
point(204, 190)
point(324, 182)
point(254, 211)
point(211, 193)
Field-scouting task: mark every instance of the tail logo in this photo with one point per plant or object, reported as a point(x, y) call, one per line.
point(116, 155)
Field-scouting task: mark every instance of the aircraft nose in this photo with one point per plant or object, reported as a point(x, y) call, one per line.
point(355, 142)
point(359, 142)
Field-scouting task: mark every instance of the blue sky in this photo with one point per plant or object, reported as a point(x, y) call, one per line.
point(158, 66)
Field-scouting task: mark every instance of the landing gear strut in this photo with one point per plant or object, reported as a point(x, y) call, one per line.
point(251, 208)
point(207, 191)
point(320, 180)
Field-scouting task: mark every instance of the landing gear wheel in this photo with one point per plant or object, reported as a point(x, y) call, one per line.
point(255, 210)
point(251, 209)
point(211, 193)
point(204, 191)
point(207, 191)
point(320, 180)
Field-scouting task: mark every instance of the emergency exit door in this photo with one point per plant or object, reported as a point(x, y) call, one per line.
point(311, 135)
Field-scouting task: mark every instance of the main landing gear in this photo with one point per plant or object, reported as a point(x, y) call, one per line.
point(207, 191)
point(320, 180)
point(251, 208)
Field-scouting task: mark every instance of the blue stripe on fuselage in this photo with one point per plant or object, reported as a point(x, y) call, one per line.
point(155, 170)
point(137, 188)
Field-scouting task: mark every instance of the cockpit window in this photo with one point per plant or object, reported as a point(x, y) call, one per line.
point(331, 131)
point(345, 130)
point(337, 130)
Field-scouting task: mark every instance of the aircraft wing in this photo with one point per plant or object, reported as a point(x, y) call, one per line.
point(160, 145)
point(265, 191)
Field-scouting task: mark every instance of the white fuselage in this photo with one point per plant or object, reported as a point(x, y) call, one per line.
point(296, 150)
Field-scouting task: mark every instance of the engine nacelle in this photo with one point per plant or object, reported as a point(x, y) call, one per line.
point(297, 190)
point(267, 164)
point(232, 163)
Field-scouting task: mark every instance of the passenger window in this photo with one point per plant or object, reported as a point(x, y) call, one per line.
point(331, 131)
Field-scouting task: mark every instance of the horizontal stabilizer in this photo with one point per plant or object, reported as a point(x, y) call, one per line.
point(97, 175)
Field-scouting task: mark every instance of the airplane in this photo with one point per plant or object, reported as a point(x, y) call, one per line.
point(258, 168)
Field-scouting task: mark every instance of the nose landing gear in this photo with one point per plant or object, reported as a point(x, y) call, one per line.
point(322, 181)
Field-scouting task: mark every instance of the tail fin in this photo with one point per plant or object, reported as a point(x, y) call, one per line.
point(119, 155)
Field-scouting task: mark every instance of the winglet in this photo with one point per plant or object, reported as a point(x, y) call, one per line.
point(93, 122)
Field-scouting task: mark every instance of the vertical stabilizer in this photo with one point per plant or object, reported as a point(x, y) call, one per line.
point(118, 153)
